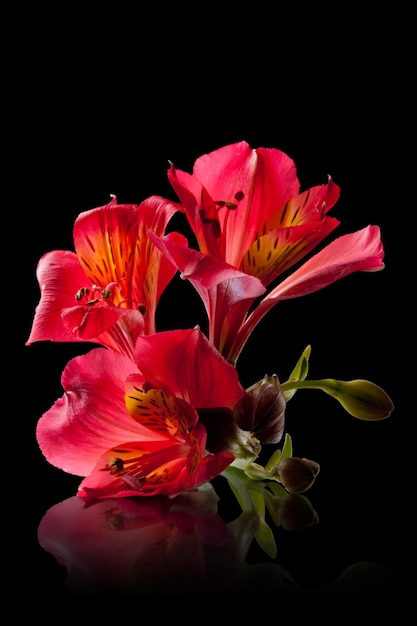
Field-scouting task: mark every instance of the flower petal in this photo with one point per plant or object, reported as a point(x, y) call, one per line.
point(105, 242)
point(136, 468)
point(159, 411)
point(361, 251)
point(185, 362)
point(60, 276)
point(297, 474)
point(91, 416)
point(281, 248)
point(253, 182)
point(226, 292)
point(113, 247)
point(355, 252)
point(154, 468)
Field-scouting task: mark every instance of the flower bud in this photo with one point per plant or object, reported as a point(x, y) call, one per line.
point(361, 398)
point(262, 410)
point(296, 474)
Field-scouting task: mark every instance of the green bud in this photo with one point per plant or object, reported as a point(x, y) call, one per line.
point(360, 398)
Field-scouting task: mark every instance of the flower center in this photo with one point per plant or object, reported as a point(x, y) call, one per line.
point(110, 294)
point(209, 215)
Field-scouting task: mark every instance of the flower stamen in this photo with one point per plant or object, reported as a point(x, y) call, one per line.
point(115, 465)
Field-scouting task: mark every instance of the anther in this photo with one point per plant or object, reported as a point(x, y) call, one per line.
point(84, 291)
point(116, 465)
point(106, 294)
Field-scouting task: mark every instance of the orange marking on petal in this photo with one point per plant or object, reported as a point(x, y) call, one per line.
point(159, 411)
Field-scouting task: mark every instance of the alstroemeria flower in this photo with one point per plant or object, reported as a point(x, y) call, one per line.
point(106, 291)
point(245, 207)
point(252, 224)
point(134, 428)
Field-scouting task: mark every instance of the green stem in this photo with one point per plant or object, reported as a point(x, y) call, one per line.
point(324, 385)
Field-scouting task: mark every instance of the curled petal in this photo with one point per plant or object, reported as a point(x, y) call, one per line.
point(361, 251)
point(355, 252)
point(185, 362)
point(60, 276)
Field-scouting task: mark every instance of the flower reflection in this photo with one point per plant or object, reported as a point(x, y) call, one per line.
point(135, 547)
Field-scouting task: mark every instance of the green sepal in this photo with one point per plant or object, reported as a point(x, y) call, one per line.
point(279, 454)
point(287, 447)
point(299, 372)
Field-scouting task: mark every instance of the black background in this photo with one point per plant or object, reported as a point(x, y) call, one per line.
point(97, 107)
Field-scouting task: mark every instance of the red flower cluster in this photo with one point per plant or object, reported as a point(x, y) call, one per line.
point(149, 411)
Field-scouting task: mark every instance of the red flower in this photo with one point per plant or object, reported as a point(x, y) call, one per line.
point(252, 224)
point(133, 428)
point(107, 291)
point(245, 207)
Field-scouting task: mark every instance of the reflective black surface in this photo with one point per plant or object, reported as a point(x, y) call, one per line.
point(68, 159)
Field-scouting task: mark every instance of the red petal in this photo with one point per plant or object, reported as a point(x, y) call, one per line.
point(105, 241)
point(263, 179)
point(185, 362)
point(358, 251)
point(154, 468)
point(113, 247)
point(91, 416)
point(280, 249)
point(159, 411)
point(60, 276)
